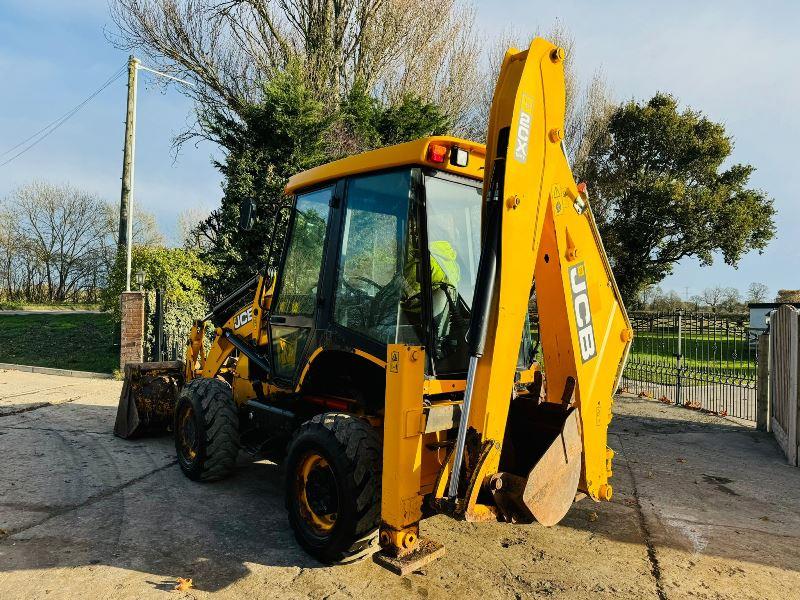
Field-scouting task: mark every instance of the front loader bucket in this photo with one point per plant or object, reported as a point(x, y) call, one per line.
point(549, 490)
point(148, 398)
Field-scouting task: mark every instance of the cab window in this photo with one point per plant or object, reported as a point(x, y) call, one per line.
point(371, 285)
point(454, 245)
point(301, 270)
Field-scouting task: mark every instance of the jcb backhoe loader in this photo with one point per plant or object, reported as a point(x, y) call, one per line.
point(388, 360)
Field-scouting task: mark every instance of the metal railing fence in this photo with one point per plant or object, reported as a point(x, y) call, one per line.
point(704, 361)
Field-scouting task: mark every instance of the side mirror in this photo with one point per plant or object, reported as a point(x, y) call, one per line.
point(247, 214)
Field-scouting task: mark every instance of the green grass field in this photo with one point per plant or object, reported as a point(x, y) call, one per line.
point(83, 342)
point(6, 305)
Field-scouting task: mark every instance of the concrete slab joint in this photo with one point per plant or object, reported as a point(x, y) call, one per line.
point(131, 347)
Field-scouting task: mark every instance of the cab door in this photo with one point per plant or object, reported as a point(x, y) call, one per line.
point(376, 271)
point(292, 319)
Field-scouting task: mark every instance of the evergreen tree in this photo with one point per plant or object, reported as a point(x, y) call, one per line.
point(291, 130)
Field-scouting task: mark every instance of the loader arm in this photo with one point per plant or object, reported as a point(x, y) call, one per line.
point(545, 233)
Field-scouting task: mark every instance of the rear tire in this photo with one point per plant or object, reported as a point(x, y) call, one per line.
point(206, 429)
point(333, 487)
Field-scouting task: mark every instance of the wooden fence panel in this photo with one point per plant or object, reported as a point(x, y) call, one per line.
point(785, 354)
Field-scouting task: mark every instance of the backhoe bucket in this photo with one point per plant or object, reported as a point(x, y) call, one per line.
point(552, 482)
point(148, 398)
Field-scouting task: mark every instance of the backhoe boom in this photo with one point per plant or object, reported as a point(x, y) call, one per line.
point(532, 451)
point(547, 235)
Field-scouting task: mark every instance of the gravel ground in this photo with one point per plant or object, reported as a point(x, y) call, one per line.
point(704, 507)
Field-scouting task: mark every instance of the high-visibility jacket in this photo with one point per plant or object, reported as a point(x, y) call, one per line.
point(444, 267)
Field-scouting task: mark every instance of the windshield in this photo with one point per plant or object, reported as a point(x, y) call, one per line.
point(453, 209)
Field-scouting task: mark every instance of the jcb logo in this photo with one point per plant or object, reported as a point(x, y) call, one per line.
point(523, 129)
point(243, 318)
point(583, 313)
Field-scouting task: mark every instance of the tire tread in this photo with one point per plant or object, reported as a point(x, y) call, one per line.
point(221, 426)
point(360, 443)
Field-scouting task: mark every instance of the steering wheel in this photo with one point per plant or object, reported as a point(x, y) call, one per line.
point(353, 290)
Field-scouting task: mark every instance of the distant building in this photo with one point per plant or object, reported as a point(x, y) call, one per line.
point(759, 312)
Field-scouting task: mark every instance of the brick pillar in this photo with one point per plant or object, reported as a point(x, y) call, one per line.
point(131, 346)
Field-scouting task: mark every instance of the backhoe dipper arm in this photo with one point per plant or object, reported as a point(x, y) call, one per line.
point(537, 223)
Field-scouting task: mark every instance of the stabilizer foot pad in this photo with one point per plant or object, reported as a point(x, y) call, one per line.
point(427, 551)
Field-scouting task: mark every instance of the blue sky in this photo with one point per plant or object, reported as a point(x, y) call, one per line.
point(52, 55)
point(735, 61)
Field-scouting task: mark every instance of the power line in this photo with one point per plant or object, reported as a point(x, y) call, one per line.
point(69, 113)
point(53, 126)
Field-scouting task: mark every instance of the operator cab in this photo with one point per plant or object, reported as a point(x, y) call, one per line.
point(383, 248)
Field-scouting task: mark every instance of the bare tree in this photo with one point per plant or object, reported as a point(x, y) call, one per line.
point(60, 226)
point(712, 297)
point(58, 243)
point(588, 107)
point(432, 50)
point(189, 235)
point(477, 117)
point(9, 252)
point(724, 298)
point(665, 301)
point(731, 299)
point(145, 233)
point(587, 122)
point(145, 227)
point(757, 292)
point(229, 48)
point(438, 60)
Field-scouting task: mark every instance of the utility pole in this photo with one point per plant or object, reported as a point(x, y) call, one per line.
point(126, 198)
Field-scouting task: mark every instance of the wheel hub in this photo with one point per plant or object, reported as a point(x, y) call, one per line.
point(317, 493)
point(187, 434)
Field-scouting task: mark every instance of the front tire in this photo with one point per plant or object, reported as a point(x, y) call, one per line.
point(206, 429)
point(333, 487)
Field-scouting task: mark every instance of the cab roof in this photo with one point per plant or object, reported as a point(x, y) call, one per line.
point(408, 154)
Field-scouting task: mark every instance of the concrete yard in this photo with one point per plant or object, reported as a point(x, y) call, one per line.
point(703, 508)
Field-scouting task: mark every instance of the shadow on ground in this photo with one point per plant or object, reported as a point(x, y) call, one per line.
point(77, 496)
point(150, 518)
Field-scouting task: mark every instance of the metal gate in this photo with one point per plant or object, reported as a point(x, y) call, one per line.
point(162, 346)
point(703, 361)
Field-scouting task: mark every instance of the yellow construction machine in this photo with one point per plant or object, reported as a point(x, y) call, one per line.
point(389, 362)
